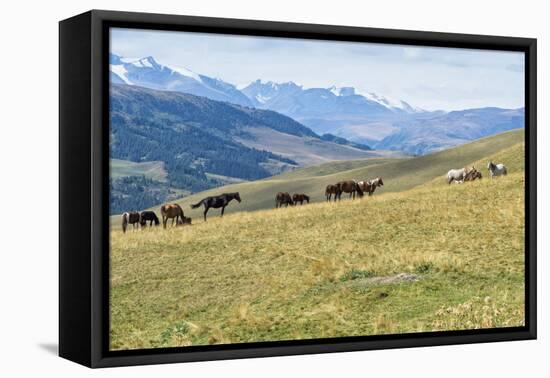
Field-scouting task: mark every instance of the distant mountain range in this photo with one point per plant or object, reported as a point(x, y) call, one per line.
point(362, 118)
point(440, 131)
point(298, 102)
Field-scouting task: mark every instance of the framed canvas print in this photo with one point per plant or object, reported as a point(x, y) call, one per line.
point(234, 188)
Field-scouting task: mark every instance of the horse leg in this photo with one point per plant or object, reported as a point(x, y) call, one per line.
point(164, 220)
point(223, 209)
point(205, 211)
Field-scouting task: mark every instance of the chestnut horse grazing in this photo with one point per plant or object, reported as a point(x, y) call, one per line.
point(283, 198)
point(173, 211)
point(132, 218)
point(216, 202)
point(300, 198)
point(330, 190)
point(350, 187)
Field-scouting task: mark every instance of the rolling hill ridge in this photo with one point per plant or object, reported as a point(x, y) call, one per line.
point(399, 174)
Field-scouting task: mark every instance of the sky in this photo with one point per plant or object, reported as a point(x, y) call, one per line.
point(431, 78)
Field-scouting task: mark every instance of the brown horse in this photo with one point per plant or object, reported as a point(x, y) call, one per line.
point(132, 218)
point(283, 199)
point(476, 175)
point(300, 198)
point(350, 187)
point(173, 211)
point(330, 190)
point(472, 174)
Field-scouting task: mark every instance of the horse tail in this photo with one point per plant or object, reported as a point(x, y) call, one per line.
point(197, 204)
point(124, 222)
point(163, 210)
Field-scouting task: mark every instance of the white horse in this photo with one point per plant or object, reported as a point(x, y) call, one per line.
point(496, 169)
point(458, 175)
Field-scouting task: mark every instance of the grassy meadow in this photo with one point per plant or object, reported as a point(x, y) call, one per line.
point(420, 255)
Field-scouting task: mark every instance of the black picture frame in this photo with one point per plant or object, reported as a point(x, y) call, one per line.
point(83, 181)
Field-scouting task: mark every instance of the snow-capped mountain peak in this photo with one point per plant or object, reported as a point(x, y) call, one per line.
point(391, 103)
point(187, 72)
point(149, 73)
point(147, 62)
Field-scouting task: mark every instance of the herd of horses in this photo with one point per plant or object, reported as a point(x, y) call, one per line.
point(284, 198)
point(332, 192)
point(352, 187)
point(471, 173)
point(175, 212)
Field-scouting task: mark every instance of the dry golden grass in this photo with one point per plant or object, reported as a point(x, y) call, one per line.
point(284, 274)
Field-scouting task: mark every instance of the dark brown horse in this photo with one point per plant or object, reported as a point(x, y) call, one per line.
point(283, 198)
point(330, 190)
point(148, 216)
point(300, 198)
point(132, 218)
point(217, 201)
point(350, 187)
point(173, 211)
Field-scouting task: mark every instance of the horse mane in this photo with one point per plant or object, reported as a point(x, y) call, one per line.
point(179, 208)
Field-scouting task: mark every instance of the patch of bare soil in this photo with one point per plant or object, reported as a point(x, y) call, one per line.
point(385, 280)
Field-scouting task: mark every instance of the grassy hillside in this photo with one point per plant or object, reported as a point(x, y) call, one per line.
point(398, 173)
point(151, 169)
point(435, 257)
point(304, 150)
